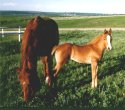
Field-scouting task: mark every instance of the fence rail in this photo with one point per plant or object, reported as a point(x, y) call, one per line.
point(19, 31)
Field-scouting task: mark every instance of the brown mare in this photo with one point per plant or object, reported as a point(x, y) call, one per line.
point(40, 36)
point(90, 53)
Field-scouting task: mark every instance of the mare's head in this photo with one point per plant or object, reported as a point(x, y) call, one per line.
point(107, 39)
point(30, 83)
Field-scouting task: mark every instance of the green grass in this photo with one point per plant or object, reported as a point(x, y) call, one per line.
point(74, 81)
point(14, 21)
point(111, 21)
point(116, 21)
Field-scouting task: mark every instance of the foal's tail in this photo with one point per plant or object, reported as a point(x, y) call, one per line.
point(54, 50)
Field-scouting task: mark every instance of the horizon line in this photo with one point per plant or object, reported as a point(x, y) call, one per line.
point(63, 12)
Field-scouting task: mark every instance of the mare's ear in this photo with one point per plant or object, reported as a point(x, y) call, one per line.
point(18, 70)
point(105, 31)
point(110, 31)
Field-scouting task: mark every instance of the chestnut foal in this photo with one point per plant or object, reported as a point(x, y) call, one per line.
point(90, 53)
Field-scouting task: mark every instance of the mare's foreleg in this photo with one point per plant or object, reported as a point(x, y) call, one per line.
point(94, 74)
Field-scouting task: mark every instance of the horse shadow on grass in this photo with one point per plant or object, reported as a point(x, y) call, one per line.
point(106, 71)
point(49, 93)
point(113, 69)
point(52, 93)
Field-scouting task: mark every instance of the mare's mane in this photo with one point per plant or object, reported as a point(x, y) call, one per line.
point(28, 38)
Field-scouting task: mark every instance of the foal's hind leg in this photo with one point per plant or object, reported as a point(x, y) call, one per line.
point(57, 68)
point(61, 59)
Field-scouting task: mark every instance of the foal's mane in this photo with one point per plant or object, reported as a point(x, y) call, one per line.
point(95, 40)
point(98, 38)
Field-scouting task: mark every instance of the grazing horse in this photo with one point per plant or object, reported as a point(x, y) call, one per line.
point(40, 36)
point(90, 53)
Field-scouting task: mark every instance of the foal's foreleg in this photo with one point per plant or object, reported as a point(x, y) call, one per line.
point(94, 74)
point(96, 77)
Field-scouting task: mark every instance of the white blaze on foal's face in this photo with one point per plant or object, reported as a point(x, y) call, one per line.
point(109, 42)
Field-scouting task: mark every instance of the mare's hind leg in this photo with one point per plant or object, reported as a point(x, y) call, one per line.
point(46, 60)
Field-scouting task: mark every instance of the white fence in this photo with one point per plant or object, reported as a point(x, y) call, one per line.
point(18, 31)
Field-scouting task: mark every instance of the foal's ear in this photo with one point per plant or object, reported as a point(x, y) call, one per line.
point(110, 31)
point(105, 31)
point(18, 70)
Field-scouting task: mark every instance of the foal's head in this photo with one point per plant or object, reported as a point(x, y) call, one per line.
point(30, 83)
point(107, 39)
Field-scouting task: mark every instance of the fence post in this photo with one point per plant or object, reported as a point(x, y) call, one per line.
point(2, 32)
point(19, 32)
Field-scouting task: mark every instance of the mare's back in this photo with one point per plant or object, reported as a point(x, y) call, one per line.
point(41, 35)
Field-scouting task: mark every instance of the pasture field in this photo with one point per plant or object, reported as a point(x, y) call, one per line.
point(67, 22)
point(73, 89)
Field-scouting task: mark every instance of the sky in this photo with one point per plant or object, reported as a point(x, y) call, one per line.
point(83, 6)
